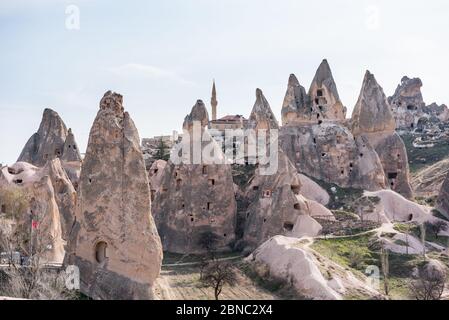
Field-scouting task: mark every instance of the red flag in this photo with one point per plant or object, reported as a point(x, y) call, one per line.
point(34, 224)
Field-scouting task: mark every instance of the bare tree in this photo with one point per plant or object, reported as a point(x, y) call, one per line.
point(436, 227)
point(29, 237)
point(217, 274)
point(208, 241)
point(430, 283)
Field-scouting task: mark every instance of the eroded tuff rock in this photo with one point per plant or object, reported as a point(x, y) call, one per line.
point(194, 198)
point(286, 259)
point(321, 103)
point(372, 120)
point(407, 103)
point(443, 198)
point(276, 205)
point(324, 95)
point(44, 188)
point(427, 182)
point(51, 141)
point(330, 152)
point(409, 108)
point(262, 117)
point(155, 175)
point(117, 249)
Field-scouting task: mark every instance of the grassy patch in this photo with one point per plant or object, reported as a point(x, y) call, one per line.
point(419, 158)
point(347, 252)
point(340, 198)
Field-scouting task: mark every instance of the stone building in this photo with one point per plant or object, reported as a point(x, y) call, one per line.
point(115, 243)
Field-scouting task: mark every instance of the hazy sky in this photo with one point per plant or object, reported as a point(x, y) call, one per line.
point(163, 55)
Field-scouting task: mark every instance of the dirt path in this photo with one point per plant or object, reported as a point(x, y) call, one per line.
point(182, 283)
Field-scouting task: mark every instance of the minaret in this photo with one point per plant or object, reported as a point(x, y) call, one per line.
point(214, 102)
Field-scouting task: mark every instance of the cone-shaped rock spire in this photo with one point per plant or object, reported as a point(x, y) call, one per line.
point(372, 112)
point(324, 95)
point(118, 249)
point(262, 117)
point(48, 142)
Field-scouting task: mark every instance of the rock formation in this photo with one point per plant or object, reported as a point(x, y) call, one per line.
point(427, 182)
point(311, 274)
point(372, 120)
point(118, 250)
point(44, 188)
point(409, 108)
point(443, 198)
point(51, 141)
point(324, 96)
point(276, 205)
point(330, 152)
point(155, 175)
point(196, 199)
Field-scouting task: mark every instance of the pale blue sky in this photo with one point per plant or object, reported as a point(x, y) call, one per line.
point(163, 55)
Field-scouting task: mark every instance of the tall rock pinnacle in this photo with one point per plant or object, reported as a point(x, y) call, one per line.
point(118, 249)
point(372, 112)
point(262, 117)
point(49, 141)
point(324, 95)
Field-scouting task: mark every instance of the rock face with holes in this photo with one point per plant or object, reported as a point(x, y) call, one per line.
point(322, 103)
point(117, 246)
point(51, 141)
point(373, 121)
point(276, 205)
point(155, 175)
point(51, 196)
point(324, 96)
point(317, 140)
point(410, 110)
point(196, 196)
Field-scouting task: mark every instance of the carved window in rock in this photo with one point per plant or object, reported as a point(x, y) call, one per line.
point(297, 206)
point(101, 251)
point(211, 182)
point(18, 181)
point(58, 152)
point(209, 206)
point(204, 170)
point(3, 208)
point(255, 188)
point(267, 193)
point(319, 93)
point(295, 188)
point(178, 183)
point(288, 226)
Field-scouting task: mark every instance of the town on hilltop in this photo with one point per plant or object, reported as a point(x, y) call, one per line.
point(346, 207)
